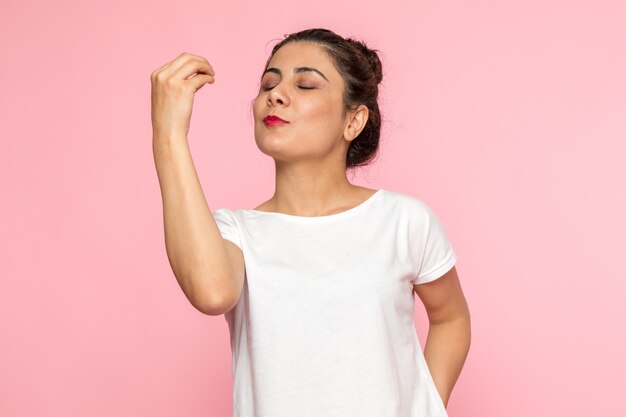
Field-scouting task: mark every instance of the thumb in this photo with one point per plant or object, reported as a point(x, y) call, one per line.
point(199, 80)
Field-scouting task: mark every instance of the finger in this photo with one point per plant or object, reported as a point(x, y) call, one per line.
point(199, 80)
point(206, 67)
point(203, 60)
point(194, 67)
point(158, 70)
point(174, 64)
point(184, 59)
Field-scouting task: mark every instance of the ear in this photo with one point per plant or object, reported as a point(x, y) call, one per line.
point(356, 122)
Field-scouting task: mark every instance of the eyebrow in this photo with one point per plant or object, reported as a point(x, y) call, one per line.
point(295, 71)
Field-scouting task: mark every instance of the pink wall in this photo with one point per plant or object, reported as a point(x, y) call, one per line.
point(507, 117)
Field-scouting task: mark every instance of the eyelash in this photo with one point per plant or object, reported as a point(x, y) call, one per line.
point(301, 87)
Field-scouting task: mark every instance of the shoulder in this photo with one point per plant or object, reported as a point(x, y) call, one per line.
point(223, 213)
point(228, 216)
point(406, 203)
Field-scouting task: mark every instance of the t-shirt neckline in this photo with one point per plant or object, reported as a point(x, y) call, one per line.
point(341, 214)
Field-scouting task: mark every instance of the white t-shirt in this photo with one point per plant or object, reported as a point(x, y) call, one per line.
point(325, 326)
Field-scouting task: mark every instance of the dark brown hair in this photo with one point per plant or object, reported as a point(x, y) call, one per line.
point(361, 70)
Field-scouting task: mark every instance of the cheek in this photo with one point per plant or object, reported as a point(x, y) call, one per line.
point(323, 115)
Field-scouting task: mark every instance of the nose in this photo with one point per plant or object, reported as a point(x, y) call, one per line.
point(277, 96)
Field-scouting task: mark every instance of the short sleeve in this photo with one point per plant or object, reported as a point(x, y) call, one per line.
point(438, 254)
point(228, 227)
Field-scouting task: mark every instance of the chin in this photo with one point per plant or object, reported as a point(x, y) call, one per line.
point(271, 144)
point(280, 148)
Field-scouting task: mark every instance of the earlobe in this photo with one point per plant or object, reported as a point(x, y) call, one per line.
point(352, 131)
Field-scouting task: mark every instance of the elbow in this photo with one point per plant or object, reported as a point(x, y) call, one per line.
point(217, 309)
point(209, 306)
point(212, 310)
point(206, 307)
point(214, 303)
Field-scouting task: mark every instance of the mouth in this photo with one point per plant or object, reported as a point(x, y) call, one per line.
point(271, 120)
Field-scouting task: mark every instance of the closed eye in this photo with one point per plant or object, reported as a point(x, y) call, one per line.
point(300, 86)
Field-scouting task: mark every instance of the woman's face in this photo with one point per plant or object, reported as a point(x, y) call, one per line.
point(311, 101)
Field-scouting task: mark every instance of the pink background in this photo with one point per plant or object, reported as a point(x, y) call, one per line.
point(508, 118)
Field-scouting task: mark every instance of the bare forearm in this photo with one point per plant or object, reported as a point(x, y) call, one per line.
point(445, 352)
point(194, 245)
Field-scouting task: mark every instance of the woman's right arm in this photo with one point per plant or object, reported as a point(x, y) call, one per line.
point(208, 268)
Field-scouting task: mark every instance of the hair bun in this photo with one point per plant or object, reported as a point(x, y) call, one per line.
point(372, 58)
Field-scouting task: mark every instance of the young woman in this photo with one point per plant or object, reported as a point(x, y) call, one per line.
point(316, 283)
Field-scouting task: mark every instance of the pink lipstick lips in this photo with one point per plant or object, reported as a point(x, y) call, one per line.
point(272, 120)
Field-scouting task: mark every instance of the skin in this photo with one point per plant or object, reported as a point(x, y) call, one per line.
point(449, 331)
point(309, 152)
point(309, 155)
